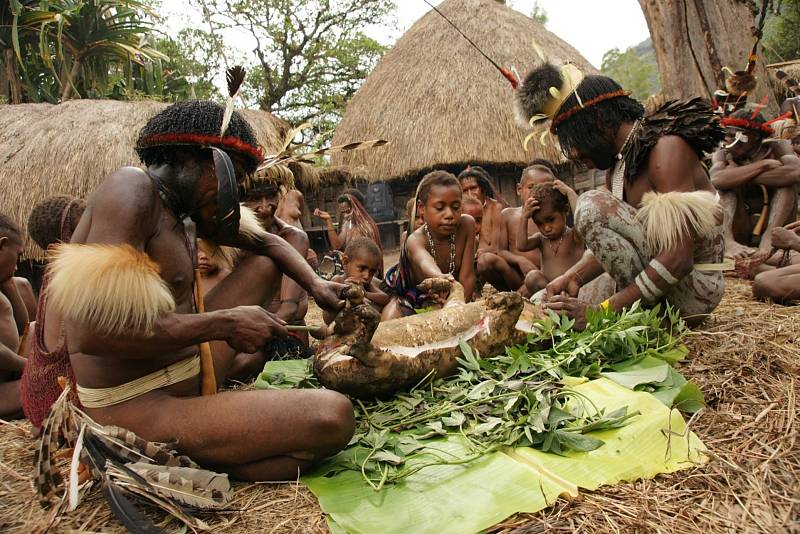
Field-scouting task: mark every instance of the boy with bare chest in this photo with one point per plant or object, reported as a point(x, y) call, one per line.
point(559, 246)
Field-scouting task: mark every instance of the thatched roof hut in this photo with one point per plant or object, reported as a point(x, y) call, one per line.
point(440, 104)
point(69, 148)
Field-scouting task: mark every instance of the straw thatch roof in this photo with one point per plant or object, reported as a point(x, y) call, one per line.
point(438, 102)
point(309, 177)
point(792, 68)
point(69, 148)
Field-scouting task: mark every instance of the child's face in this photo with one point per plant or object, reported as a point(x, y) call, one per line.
point(471, 188)
point(551, 223)
point(477, 213)
point(205, 264)
point(10, 251)
point(361, 267)
point(529, 181)
point(442, 211)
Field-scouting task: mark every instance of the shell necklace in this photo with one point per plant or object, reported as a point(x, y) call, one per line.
point(555, 248)
point(618, 178)
point(433, 249)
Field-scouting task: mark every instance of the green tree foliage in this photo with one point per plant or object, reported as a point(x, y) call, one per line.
point(782, 32)
point(62, 49)
point(309, 56)
point(635, 69)
point(539, 14)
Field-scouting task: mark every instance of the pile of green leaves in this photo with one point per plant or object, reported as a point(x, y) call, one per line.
point(517, 399)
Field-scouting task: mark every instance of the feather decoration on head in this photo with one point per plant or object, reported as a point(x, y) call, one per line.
point(235, 78)
point(545, 88)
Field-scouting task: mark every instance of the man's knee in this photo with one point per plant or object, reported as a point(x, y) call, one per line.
point(335, 421)
point(487, 263)
point(764, 286)
point(590, 211)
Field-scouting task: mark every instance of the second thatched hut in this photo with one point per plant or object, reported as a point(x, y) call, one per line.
point(443, 106)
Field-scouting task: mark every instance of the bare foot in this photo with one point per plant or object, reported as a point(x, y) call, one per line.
point(737, 251)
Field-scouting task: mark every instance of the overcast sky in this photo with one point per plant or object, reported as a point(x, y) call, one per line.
point(591, 26)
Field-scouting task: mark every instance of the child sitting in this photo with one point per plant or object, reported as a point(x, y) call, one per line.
point(360, 261)
point(472, 206)
point(443, 247)
point(549, 206)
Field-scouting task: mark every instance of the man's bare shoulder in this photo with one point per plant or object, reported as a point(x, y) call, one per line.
point(781, 147)
point(509, 214)
point(292, 234)
point(128, 197)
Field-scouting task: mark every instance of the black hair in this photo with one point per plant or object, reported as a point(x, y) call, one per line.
point(353, 192)
point(434, 178)
point(537, 165)
point(47, 218)
point(481, 177)
point(362, 244)
point(8, 228)
point(549, 196)
point(587, 121)
point(195, 124)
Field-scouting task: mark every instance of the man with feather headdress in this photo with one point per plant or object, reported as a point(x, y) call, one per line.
point(125, 291)
point(751, 162)
point(660, 220)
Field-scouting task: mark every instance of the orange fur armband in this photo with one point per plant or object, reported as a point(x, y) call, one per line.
point(666, 217)
point(112, 289)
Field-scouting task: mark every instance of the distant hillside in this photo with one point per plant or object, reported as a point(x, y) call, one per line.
point(635, 69)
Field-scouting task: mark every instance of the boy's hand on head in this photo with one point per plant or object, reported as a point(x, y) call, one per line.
point(531, 206)
point(562, 188)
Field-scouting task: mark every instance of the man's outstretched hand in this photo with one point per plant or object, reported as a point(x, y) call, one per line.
point(328, 295)
point(571, 307)
point(252, 326)
point(563, 285)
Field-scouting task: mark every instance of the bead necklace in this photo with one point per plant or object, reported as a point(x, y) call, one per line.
point(452, 249)
point(557, 247)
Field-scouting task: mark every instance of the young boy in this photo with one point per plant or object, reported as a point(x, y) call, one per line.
point(506, 268)
point(549, 206)
point(361, 260)
point(12, 315)
point(443, 247)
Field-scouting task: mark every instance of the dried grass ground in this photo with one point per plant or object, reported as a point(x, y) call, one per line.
point(746, 359)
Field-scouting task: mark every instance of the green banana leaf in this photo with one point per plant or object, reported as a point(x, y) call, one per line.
point(474, 496)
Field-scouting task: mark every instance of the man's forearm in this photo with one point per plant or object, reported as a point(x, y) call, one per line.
point(783, 176)
point(586, 270)
point(658, 277)
point(172, 332)
point(10, 361)
point(733, 177)
point(288, 260)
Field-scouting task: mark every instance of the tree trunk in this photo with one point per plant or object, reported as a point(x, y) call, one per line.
point(694, 39)
point(70, 81)
point(10, 77)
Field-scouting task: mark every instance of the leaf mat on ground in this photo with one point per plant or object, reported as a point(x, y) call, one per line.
point(473, 496)
point(745, 359)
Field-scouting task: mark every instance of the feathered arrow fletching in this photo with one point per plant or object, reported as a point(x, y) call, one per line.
point(284, 158)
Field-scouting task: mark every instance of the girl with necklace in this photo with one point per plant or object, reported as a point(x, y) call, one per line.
point(443, 247)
